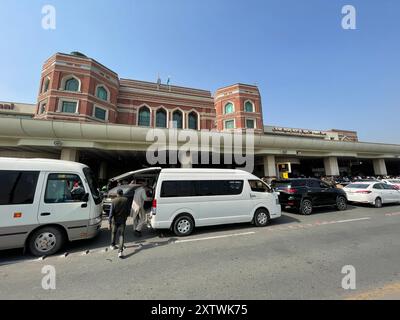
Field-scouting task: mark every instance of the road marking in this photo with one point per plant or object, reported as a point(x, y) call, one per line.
point(352, 220)
point(216, 237)
point(392, 214)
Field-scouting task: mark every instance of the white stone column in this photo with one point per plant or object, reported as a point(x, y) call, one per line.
point(186, 160)
point(331, 166)
point(103, 171)
point(69, 154)
point(380, 167)
point(270, 166)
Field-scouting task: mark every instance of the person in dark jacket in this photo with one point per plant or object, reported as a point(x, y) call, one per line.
point(118, 215)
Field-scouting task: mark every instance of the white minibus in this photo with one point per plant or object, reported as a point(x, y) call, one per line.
point(189, 198)
point(44, 203)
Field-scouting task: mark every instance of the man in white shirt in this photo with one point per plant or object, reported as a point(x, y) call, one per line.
point(138, 211)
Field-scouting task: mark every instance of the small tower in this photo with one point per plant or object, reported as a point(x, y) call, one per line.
point(238, 107)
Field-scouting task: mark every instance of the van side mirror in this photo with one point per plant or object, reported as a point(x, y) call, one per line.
point(85, 198)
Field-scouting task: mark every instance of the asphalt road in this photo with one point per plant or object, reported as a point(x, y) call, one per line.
point(295, 257)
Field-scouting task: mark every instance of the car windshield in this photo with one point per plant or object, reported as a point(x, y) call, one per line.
point(358, 186)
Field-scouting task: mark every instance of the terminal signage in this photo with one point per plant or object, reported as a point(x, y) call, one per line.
point(7, 106)
point(299, 131)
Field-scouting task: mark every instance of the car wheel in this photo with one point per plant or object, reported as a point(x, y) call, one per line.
point(46, 241)
point(378, 203)
point(341, 203)
point(261, 218)
point(306, 207)
point(183, 226)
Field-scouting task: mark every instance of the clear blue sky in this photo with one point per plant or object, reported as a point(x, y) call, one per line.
point(311, 72)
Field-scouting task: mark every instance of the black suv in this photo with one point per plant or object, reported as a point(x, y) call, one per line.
point(305, 194)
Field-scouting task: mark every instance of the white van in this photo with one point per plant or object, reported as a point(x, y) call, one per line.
point(185, 198)
point(44, 203)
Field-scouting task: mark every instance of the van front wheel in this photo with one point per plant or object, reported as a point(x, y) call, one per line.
point(261, 218)
point(46, 241)
point(183, 226)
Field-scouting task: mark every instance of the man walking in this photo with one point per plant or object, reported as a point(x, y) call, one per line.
point(119, 212)
point(138, 211)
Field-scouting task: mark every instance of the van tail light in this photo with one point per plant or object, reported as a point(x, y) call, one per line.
point(364, 192)
point(154, 207)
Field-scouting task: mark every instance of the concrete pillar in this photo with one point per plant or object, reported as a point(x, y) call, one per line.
point(69, 154)
point(269, 167)
point(186, 160)
point(331, 166)
point(380, 167)
point(103, 171)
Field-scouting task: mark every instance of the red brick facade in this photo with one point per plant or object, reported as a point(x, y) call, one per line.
point(121, 101)
point(238, 96)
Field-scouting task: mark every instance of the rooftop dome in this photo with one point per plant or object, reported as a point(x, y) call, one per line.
point(78, 54)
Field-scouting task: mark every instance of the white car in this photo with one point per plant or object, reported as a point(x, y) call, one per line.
point(393, 182)
point(375, 193)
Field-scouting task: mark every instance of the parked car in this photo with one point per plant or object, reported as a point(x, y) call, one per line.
point(375, 193)
point(189, 198)
point(306, 194)
point(45, 203)
point(393, 182)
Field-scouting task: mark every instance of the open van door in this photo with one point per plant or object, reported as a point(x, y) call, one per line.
point(136, 174)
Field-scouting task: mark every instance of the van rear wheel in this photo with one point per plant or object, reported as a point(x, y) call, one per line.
point(183, 226)
point(46, 241)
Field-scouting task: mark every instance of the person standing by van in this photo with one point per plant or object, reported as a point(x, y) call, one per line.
point(119, 213)
point(138, 211)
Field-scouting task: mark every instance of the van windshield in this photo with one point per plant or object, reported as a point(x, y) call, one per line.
point(92, 182)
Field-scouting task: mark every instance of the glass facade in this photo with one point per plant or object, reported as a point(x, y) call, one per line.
point(229, 108)
point(68, 107)
point(102, 93)
point(100, 113)
point(144, 117)
point(193, 121)
point(230, 124)
point(71, 85)
point(248, 107)
point(161, 119)
point(177, 118)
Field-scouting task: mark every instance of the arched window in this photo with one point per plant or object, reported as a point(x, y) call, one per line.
point(161, 118)
point(248, 107)
point(192, 121)
point(144, 117)
point(229, 108)
point(71, 85)
point(46, 85)
point(102, 93)
point(177, 118)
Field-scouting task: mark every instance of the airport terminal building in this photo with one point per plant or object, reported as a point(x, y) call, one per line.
point(85, 112)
